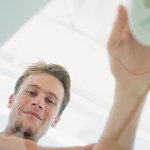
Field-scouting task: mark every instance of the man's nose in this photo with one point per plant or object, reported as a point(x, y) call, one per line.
point(38, 102)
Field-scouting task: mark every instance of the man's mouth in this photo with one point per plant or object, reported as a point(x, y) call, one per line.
point(33, 114)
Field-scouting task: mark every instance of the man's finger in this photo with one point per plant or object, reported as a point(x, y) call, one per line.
point(119, 26)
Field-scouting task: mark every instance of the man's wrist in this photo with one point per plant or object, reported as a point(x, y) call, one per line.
point(133, 89)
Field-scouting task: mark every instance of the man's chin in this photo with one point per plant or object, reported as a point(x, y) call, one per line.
point(25, 131)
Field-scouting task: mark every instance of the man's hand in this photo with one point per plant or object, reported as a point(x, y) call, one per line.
point(130, 61)
point(123, 46)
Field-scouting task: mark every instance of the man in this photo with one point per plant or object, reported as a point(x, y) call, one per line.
point(33, 97)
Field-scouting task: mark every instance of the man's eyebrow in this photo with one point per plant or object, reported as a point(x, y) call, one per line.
point(47, 92)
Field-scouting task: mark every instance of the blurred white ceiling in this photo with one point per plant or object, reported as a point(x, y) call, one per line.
point(73, 33)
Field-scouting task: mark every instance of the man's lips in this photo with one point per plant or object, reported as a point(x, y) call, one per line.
point(34, 114)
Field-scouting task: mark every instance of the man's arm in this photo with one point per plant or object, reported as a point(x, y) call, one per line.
point(130, 64)
point(15, 143)
point(86, 147)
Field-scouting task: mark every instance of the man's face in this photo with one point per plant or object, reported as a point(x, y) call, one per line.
point(35, 107)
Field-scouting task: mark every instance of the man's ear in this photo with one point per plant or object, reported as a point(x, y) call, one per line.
point(53, 125)
point(11, 101)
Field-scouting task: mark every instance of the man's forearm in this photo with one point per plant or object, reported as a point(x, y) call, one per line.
point(86, 147)
point(122, 123)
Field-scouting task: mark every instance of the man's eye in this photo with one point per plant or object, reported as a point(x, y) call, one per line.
point(50, 101)
point(31, 93)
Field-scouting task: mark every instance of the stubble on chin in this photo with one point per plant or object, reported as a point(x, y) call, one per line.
point(24, 132)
